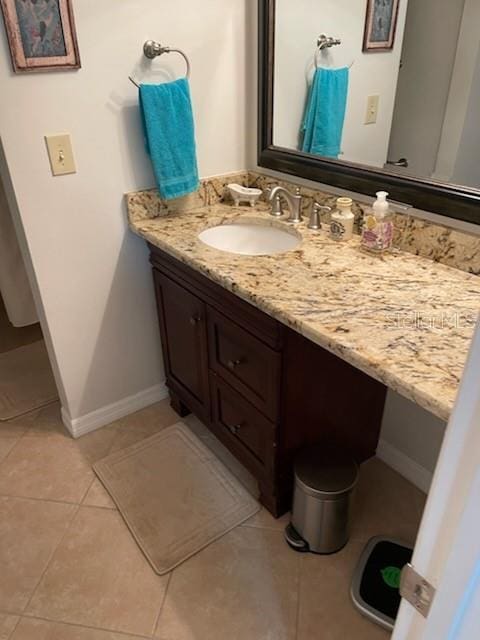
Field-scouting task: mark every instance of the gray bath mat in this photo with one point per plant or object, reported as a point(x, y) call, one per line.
point(174, 495)
point(26, 380)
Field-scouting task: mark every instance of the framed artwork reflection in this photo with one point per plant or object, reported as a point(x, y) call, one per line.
point(41, 34)
point(380, 25)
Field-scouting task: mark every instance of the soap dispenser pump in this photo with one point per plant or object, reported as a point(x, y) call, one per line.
point(381, 205)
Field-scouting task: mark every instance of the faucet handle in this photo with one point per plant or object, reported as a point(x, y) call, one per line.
point(277, 210)
point(320, 207)
point(315, 221)
point(276, 202)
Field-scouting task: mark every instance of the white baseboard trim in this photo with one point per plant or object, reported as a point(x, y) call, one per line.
point(101, 417)
point(405, 466)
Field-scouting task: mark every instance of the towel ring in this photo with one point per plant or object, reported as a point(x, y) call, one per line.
point(152, 50)
point(320, 50)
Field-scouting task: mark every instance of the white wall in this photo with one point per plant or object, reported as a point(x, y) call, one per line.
point(93, 277)
point(428, 58)
point(410, 440)
point(298, 26)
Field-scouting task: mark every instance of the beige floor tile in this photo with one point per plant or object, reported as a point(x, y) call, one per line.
point(30, 531)
point(42, 421)
point(98, 577)
point(98, 496)
point(242, 586)
point(6, 445)
point(12, 429)
point(45, 421)
point(7, 625)
point(51, 468)
point(97, 445)
point(48, 422)
point(143, 424)
point(325, 609)
point(264, 520)
point(385, 504)
point(33, 629)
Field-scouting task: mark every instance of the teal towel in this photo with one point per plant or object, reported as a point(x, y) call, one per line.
point(170, 136)
point(325, 113)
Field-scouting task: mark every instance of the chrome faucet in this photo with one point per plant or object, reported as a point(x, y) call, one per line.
point(294, 202)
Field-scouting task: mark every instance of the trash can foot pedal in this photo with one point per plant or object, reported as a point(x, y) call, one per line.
point(295, 540)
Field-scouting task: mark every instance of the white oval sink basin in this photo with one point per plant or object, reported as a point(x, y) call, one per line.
point(249, 239)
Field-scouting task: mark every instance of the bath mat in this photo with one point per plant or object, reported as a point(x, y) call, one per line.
point(26, 380)
point(174, 495)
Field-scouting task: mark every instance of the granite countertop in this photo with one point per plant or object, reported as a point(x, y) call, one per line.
point(404, 320)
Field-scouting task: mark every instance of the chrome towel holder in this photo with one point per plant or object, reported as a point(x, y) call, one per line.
point(326, 42)
point(152, 50)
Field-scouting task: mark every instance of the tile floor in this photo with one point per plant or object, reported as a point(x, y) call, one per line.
point(69, 569)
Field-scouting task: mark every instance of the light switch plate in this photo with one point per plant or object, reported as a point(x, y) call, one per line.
point(61, 154)
point(372, 109)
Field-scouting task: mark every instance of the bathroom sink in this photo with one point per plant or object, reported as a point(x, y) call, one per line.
point(249, 239)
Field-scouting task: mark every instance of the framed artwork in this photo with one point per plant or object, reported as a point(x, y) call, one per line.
point(41, 34)
point(380, 25)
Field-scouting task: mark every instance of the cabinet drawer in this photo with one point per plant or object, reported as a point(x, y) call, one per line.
point(245, 362)
point(246, 431)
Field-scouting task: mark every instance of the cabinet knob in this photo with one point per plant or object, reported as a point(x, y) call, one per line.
point(194, 320)
point(235, 429)
point(233, 364)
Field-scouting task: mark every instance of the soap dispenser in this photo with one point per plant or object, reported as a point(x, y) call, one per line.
point(377, 233)
point(343, 219)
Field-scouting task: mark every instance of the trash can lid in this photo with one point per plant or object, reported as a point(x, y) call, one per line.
point(325, 472)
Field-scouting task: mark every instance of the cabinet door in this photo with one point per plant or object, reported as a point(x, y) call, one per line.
point(184, 339)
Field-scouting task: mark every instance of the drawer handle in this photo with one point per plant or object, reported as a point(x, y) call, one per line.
point(233, 364)
point(194, 320)
point(235, 429)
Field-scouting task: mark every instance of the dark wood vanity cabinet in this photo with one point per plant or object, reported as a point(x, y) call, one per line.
point(262, 389)
point(183, 325)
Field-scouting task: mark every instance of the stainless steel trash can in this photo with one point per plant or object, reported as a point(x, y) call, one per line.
point(325, 479)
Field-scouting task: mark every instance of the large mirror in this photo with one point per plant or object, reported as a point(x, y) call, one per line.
point(375, 93)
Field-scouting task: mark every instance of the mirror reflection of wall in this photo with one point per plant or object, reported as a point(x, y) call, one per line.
point(413, 101)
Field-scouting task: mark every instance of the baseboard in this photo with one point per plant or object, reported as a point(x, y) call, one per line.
point(101, 417)
point(405, 466)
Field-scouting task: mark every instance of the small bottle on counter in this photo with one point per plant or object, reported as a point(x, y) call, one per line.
point(343, 219)
point(377, 233)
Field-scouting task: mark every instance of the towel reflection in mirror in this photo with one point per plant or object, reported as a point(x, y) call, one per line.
point(322, 126)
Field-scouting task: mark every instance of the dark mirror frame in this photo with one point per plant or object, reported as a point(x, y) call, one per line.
point(462, 203)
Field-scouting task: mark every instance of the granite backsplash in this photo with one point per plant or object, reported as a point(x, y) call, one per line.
point(439, 243)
